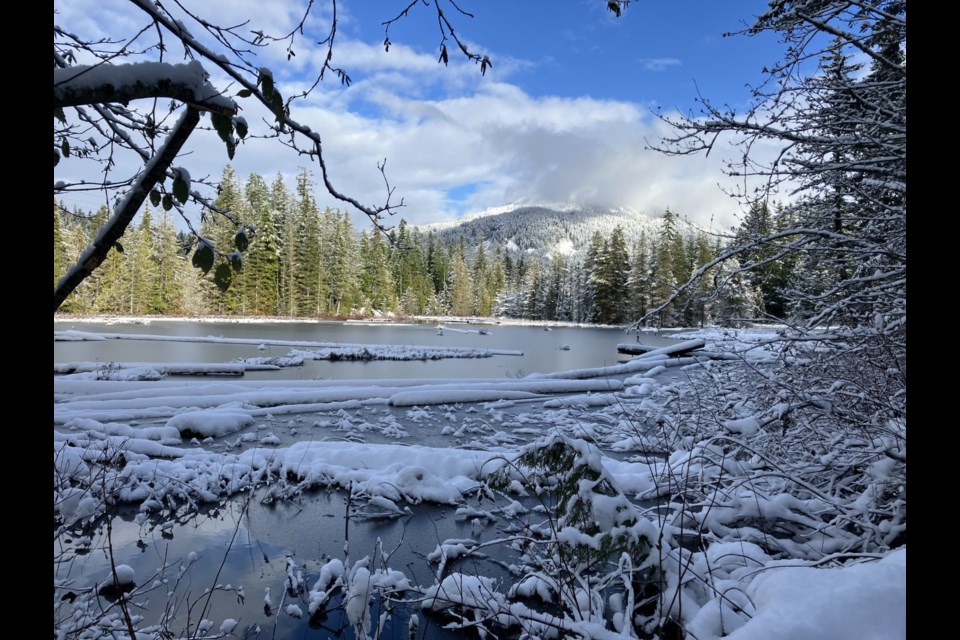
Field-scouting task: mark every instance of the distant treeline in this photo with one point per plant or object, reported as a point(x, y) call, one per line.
point(303, 262)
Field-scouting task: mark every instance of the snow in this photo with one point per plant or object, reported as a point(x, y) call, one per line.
point(355, 600)
point(141, 370)
point(474, 591)
point(743, 426)
point(374, 351)
point(392, 442)
point(123, 575)
point(330, 572)
point(864, 601)
point(210, 422)
point(190, 75)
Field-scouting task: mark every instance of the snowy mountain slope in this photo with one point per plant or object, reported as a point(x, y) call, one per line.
point(544, 229)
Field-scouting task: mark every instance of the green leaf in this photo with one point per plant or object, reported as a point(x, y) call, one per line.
point(236, 260)
point(231, 148)
point(203, 257)
point(155, 198)
point(244, 93)
point(59, 115)
point(118, 247)
point(167, 202)
point(241, 125)
point(181, 189)
point(65, 148)
point(240, 240)
point(222, 277)
point(223, 125)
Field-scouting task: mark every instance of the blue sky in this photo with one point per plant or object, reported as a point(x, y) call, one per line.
point(571, 48)
point(565, 114)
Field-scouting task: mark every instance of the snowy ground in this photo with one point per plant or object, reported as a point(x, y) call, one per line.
point(758, 540)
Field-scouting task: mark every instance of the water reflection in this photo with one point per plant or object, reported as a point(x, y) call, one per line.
point(244, 543)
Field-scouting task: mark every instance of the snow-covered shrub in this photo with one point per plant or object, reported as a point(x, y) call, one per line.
point(594, 544)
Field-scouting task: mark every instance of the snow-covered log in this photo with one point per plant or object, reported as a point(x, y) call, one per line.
point(674, 350)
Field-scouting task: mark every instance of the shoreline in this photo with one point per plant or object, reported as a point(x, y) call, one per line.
point(383, 320)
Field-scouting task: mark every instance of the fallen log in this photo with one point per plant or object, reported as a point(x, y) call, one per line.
point(634, 348)
point(674, 351)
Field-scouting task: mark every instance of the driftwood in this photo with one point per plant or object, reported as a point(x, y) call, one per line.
point(170, 369)
point(674, 351)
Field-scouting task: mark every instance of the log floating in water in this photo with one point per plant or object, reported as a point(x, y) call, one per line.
point(674, 350)
point(164, 368)
point(634, 348)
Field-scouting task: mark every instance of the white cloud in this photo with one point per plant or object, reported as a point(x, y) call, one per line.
point(659, 64)
point(441, 128)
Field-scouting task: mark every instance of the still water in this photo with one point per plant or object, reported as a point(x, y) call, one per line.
point(244, 543)
point(544, 349)
point(250, 543)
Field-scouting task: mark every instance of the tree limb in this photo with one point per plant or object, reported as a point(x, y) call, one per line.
point(154, 171)
point(81, 85)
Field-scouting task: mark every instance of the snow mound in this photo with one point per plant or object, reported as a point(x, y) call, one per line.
point(210, 422)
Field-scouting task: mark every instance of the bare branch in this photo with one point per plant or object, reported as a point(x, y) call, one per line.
point(124, 212)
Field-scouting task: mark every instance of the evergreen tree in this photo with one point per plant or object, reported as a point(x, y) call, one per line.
point(594, 269)
point(113, 284)
point(341, 280)
point(376, 279)
point(285, 224)
point(578, 286)
point(533, 292)
point(735, 297)
point(69, 240)
point(309, 234)
point(263, 256)
point(226, 297)
point(483, 296)
point(661, 273)
point(612, 296)
point(554, 298)
point(638, 282)
point(422, 287)
point(411, 258)
point(60, 264)
point(689, 304)
point(96, 282)
point(843, 140)
point(141, 273)
point(459, 292)
point(166, 295)
point(496, 277)
point(769, 273)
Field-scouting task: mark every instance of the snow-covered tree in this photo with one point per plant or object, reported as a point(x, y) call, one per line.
point(843, 140)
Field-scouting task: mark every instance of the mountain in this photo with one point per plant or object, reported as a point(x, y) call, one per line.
point(544, 229)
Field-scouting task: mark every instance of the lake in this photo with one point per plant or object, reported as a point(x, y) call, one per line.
point(251, 543)
point(544, 349)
